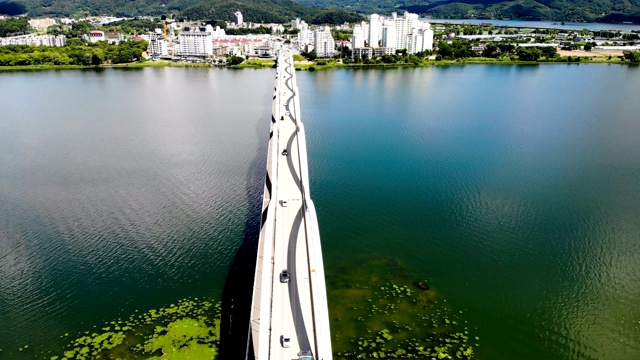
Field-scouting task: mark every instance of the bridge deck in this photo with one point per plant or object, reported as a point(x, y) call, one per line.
point(289, 239)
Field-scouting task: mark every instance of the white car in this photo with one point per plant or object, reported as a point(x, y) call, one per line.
point(285, 340)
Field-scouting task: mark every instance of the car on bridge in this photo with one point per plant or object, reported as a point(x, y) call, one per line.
point(284, 276)
point(285, 340)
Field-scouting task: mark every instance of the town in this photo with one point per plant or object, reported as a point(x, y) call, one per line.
point(382, 40)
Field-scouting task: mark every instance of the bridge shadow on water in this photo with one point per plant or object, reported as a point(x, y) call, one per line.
point(238, 288)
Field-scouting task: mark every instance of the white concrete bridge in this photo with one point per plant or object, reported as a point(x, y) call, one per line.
point(289, 314)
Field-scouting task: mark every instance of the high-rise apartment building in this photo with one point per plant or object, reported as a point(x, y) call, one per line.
point(389, 34)
point(400, 32)
point(324, 45)
point(196, 43)
point(305, 37)
point(357, 39)
point(375, 30)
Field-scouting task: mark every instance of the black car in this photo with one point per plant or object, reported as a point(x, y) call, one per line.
point(284, 276)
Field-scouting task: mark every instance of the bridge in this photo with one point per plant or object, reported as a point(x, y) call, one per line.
point(289, 312)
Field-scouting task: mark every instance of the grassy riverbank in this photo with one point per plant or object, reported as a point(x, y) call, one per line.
point(330, 64)
point(133, 65)
point(488, 61)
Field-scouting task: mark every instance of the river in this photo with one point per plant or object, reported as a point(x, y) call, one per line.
point(511, 190)
point(541, 24)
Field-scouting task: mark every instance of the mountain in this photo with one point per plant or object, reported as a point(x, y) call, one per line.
point(555, 10)
point(279, 11)
point(335, 11)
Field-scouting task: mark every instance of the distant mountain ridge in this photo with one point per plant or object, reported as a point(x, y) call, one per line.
point(256, 11)
point(335, 11)
point(554, 10)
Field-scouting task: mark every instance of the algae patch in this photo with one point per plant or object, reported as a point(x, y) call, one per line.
point(189, 329)
point(377, 312)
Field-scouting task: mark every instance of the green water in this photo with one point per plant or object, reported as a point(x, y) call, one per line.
point(512, 191)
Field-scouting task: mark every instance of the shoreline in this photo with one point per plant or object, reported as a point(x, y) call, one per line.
point(315, 67)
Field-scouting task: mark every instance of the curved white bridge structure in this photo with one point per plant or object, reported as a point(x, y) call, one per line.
point(289, 317)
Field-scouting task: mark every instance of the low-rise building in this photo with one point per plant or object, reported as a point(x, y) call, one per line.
point(478, 49)
point(35, 40)
point(41, 24)
point(385, 51)
point(114, 37)
point(97, 35)
point(362, 52)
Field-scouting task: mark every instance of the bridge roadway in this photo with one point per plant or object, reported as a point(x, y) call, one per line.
point(289, 239)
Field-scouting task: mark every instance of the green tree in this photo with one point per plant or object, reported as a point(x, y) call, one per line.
point(549, 52)
point(633, 56)
point(309, 55)
point(529, 53)
point(235, 60)
point(79, 28)
point(12, 26)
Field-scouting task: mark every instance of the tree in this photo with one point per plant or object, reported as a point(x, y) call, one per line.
point(587, 47)
point(235, 60)
point(491, 51)
point(96, 60)
point(529, 53)
point(309, 55)
point(11, 26)
point(549, 51)
point(633, 56)
point(80, 28)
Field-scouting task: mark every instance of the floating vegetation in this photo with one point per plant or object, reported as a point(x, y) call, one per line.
point(377, 312)
point(189, 329)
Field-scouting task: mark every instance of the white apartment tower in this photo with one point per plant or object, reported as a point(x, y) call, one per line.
point(196, 43)
point(420, 38)
point(404, 25)
point(375, 30)
point(428, 37)
point(239, 19)
point(157, 45)
point(218, 34)
point(404, 32)
point(324, 45)
point(365, 31)
point(389, 34)
point(357, 40)
point(305, 37)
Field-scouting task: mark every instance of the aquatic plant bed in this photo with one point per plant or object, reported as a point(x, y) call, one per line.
point(189, 329)
point(383, 314)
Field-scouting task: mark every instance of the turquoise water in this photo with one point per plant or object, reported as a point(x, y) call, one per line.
point(512, 189)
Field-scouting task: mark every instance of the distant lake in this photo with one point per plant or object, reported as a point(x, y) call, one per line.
point(540, 24)
point(512, 189)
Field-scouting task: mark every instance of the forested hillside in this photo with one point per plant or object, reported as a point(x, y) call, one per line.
point(335, 11)
point(559, 10)
point(253, 10)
